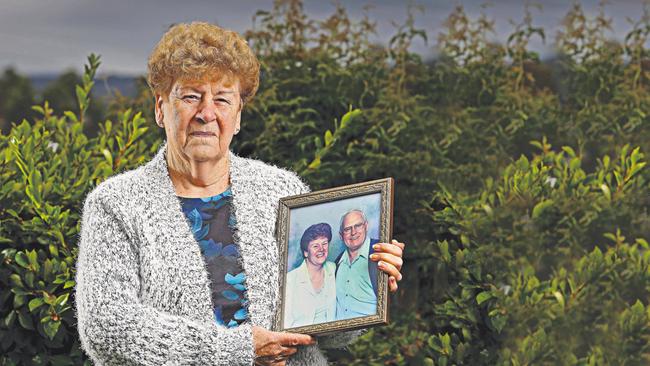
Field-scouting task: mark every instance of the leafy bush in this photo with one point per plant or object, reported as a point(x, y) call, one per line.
point(519, 252)
point(514, 278)
point(48, 166)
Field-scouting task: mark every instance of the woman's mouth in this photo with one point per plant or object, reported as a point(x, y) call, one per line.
point(202, 134)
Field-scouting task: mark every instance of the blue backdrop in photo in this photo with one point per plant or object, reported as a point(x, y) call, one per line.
point(303, 217)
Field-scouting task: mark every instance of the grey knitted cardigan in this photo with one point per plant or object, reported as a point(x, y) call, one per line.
point(143, 293)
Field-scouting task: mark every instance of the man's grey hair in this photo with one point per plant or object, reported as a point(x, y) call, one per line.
point(363, 216)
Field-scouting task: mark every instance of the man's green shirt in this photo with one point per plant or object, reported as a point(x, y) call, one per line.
point(354, 294)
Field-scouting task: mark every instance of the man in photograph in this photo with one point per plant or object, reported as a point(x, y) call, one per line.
point(356, 275)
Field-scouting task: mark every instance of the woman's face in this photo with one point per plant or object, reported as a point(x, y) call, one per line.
point(316, 252)
point(200, 118)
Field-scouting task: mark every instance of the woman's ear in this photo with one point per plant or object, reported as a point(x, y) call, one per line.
point(159, 110)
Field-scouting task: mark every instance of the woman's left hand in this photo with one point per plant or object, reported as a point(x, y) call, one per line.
point(389, 256)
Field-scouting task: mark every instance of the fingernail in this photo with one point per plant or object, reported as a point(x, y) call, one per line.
point(376, 246)
point(381, 264)
point(374, 256)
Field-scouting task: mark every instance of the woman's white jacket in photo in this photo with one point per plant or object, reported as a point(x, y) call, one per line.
point(143, 294)
point(302, 302)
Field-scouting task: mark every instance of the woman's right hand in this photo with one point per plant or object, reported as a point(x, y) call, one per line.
point(274, 348)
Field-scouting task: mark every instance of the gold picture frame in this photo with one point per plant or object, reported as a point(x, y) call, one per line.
point(323, 209)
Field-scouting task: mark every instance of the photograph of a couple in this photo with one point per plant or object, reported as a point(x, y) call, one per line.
point(330, 276)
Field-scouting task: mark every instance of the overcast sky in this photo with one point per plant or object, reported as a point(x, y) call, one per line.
point(49, 36)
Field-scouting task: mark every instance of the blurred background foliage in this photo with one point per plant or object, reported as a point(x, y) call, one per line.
point(521, 185)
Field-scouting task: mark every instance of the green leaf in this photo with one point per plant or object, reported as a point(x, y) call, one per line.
point(139, 132)
point(25, 320)
point(38, 109)
point(537, 144)
point(315, 163)
point(71, 116)
point(541, 207)
point(49, 298)
point(569, 151)
point(47, 270)
point(54, 251)
point(483, 297)
point(29, 279)
point(35, 303)
point(22, 259)
point(444, 251)
point(575, 164)
point(434, 343)
point(487, 209)
point(560, 298)
point(16, 281)
point(606, 162)
point(69, 284)
point(19, 301)
point(10, 319)
point(36, 184)
point(120, 144)
point(328, 138)
point(446, 341)
point(62, 300)
point(51, 328)
point(349, 117)
point(619, 178)
point(498, 322)
point(611, 237)
point(81, 95)
point(33, 258)
point(108, 156)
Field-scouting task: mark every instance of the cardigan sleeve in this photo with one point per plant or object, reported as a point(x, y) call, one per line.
point(115, 328)
point(339, 340)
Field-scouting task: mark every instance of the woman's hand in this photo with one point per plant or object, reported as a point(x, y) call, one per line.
point(274, 348)
point(389, 256)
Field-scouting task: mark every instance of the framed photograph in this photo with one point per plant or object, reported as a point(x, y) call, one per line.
point(327, 281)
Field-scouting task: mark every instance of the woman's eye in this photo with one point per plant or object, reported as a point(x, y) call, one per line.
point(191, 97)
point(223, 100)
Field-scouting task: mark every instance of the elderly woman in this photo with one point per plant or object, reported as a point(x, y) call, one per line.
point(311, 295)
point(163, 279)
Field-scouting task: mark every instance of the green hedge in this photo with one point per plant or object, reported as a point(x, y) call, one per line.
point(519, 252)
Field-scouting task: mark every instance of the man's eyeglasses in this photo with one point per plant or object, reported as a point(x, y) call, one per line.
point(357, 227)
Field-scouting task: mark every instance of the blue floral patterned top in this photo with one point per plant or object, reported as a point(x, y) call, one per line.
point(211, 223)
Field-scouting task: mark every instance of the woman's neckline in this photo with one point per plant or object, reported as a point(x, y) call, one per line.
point(227, 192)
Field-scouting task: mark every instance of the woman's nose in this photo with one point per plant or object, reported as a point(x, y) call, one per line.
point(207, 111)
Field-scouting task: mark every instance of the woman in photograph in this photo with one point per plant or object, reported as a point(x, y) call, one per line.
point(311, 287)
point(151, 288)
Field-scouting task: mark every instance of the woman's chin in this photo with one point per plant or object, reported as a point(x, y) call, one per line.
point(203, 152)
